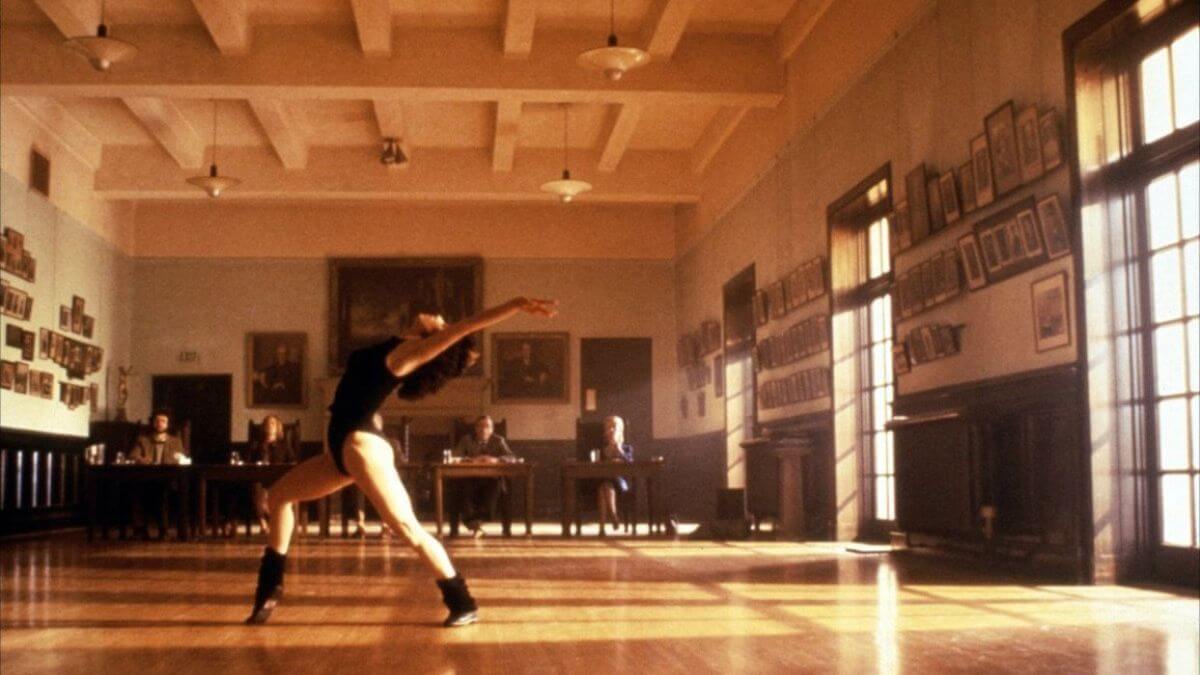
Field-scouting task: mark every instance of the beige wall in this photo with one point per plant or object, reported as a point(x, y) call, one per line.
point(207, 306)
point(921, 101)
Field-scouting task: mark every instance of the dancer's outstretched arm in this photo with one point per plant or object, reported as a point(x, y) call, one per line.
point(412, 354)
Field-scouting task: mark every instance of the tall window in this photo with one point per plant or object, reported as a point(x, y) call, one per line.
point(1137, 96)
point(862, 285)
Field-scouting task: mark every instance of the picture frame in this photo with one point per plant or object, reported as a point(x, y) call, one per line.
point(760, 308)
point(901, 228)
point(64, 317)
point(372, 299)
point(1054, 227)
point(276, 369)
point(937, 213)
point(948, 188)
point(793, 288)
point(972, 262)
point(900, 362)
point(981, 171)
point(14, 336)
point(44, 343)
point(77, 309)
point(815, 279)
point(1027, 227)
point(1029, 146)
point(28, 345)
point(776, 301)
point(1003, 244)
point(710, 336)
point(1050, 135)
point(89, 326)
point(918, 203)
point(1002, 143)
point(1050, 310)
point(966, 188)
point(56, 347)
point(21, 378)
point(531, 367)
point(7, 374)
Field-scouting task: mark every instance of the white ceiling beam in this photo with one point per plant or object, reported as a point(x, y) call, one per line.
point(519, 19)
point(719, 130)
point(800, 21)
point(354, 173)
point(227, 23)
point(664, 25)
point(453, 66)
point(167, 124)
point(282, 129)
point(508, 126)
point(373, 19)
point(63, 128)
point(622, 123)
point(72, 18)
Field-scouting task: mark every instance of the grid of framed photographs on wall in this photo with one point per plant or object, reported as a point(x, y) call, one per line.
point(696, 345)
point(18, 377)
point(16, 303)
point(931, 342)
point(1019, 238)
point(16, 260)
point(805, 385)
point(78, 359)
point(930, 282)
point(1017, 147)
point(805, 338)
point(801, 286)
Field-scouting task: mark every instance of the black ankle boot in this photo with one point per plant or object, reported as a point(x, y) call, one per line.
point(270, 586)
point(463, 609)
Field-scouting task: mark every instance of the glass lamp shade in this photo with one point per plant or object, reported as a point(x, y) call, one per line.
point(213, 184)
point(612, 60)
point(566, 188)
point(100, 50)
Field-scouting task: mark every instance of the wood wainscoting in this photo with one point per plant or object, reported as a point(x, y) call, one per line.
point(40, 481)
point(997, 467)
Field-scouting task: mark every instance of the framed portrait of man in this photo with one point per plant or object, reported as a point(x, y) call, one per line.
point(530, 367)
point(275, 370)
point(372, 299)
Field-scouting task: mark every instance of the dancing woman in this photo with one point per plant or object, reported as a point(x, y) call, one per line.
point(414, 365)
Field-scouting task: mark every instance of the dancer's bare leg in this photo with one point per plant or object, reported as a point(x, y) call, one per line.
point(311, 479)
point(369, 460)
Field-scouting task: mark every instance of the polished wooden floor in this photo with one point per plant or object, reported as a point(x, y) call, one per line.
point(554, 606)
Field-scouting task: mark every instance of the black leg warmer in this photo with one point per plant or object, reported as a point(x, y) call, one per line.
point(457, 597)
point(270, 586)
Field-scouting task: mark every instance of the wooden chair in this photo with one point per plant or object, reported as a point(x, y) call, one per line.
point(504, 503)
point(255, 432)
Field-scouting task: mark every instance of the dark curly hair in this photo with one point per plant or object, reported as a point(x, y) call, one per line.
point(432, 376)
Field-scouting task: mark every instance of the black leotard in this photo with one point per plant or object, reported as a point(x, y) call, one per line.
point(364, 387)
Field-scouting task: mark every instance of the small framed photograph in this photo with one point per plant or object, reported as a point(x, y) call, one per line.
point(1054, 227)
point(1015, 241)
point(991, 256)
point(21, 378)
point(950, 206)
point(972, 264)
point(1000, 231)
point(1028, 229)
point(793, 288)
point(1050, 134)
point(56, 348)
point(710, 335)
point(927, 342)
point(776, 301)
point(937, 212)
point(14, 336)
point(64, 317)
point(901, 229)
point(900, 364)
point(918, 203)
point(47, 386)
point(815, 278)
point(8, 371)
point(981, 170)
point(44, 343)
point(1051, 320)
point(951, 277)
point(77, 305)
point(760, 308)
point(903, 306)
point(28, 345)
point(530, 367)
point(1002, 142)
point(1029, 146)
point(966, 187)
point(89, 326)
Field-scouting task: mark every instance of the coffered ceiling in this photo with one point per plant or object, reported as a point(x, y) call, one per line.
point(476, 89)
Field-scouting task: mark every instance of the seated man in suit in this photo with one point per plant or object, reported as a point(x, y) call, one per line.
point(159, 446)
point(477, 496)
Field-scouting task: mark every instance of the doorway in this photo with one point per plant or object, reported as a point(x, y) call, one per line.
point(204, 401)
point(615, 376)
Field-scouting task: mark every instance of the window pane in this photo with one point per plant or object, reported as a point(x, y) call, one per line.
point(1156, 96)
point(879, 359)
point(885, 258)
point(1172, 434)
point(879, 408)
point(883, 499)
point(1195, 432)
point(880, 318)
point(1165, 280)
point(1176, 512)
point(1189, 203)
point(1169, 360)
point(1185, 59)
point(882, 462)
point(1191, 275)
point(1161, 204)
point(1193, 339)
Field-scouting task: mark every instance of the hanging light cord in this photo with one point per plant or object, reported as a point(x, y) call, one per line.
point(612, 17)
point(566, 124)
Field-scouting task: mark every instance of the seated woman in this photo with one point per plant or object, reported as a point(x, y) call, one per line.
point(272, 447)
point(615, 450)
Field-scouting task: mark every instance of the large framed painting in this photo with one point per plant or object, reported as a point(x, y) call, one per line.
point(530, 367)
point(372, 299)
point(275, 369)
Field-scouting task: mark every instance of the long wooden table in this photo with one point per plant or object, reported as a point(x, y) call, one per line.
point(443, 472)
point(644, 470)
point(247, 474)
point(98, 478)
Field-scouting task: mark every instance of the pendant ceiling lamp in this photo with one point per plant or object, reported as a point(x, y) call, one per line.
point(212, 183)
point(566, 188)
point(612, 60)
point(101, 50)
